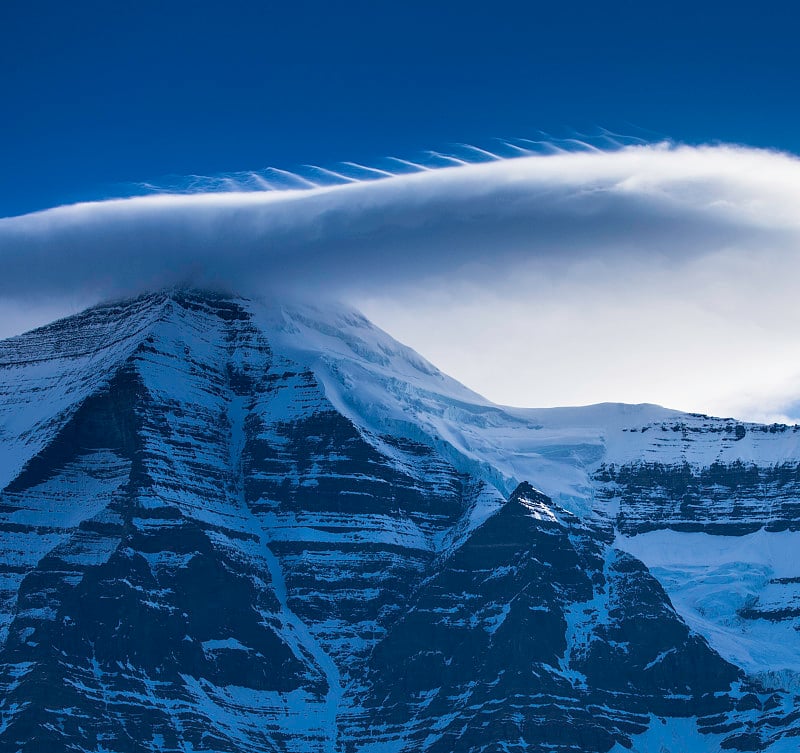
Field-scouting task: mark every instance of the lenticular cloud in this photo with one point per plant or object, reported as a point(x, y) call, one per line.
point(550, 211)
point(657, 273)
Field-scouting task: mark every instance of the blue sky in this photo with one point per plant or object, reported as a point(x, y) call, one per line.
point(97, 96)
point(657, 273)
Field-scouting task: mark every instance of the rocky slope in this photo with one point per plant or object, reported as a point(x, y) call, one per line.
point(234, 526)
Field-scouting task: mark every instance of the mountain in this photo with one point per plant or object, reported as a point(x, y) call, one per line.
point(228, 525)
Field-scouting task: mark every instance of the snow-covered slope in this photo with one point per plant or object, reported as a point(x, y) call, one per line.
point(649, 471)
point(229, 525)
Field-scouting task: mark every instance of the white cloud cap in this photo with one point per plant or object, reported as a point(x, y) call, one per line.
point(651, 273)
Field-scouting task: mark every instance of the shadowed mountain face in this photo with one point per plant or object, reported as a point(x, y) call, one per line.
point(227, 526)
point(537, 634)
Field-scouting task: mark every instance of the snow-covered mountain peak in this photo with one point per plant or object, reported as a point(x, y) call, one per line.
point(269, 526)
point(381, 385)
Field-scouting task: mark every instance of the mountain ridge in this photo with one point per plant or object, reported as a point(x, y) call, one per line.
point(294, 457)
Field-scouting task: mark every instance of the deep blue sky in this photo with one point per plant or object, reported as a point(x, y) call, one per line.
point(97, 95)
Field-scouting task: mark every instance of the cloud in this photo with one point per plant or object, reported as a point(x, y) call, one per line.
point(650, 273)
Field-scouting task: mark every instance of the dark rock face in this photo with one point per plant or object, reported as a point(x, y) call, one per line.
point(202, 549)
point(733, 498)
point(537, 634)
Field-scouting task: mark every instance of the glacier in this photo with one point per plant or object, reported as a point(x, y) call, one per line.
point(239, 525)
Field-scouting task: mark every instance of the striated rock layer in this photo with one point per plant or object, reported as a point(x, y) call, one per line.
point(231, 526)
